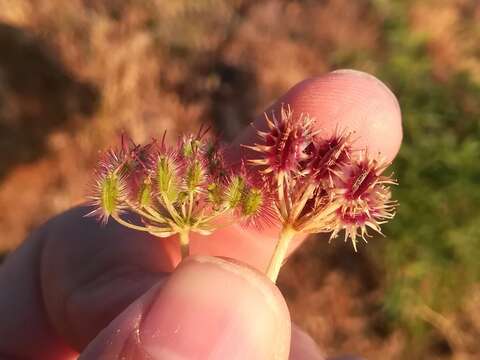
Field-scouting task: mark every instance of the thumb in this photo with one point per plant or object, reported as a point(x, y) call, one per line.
point(209, 308)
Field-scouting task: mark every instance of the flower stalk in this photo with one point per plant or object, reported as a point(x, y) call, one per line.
point(280, 252)
point(184, 243)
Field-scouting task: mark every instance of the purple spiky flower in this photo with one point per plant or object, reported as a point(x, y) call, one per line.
point(365, 198)
point(321, 185)
point(283, 144)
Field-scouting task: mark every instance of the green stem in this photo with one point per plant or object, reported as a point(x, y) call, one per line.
point(128, 224)
point(280, 252)
point(184, 243)
point(145, 214)
point(171, 209)
point(190, 206)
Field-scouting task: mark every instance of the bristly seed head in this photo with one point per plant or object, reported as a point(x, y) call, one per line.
point(234, 191)
point(110, 191)
point(195, 176)
point(284, 143)
point(145, 194)
point(365, 198)
point(167, 177)
point(327, 156)
point(321, 184)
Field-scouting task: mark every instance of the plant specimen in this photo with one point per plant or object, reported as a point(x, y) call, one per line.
point(298, 179)
point(175, 190)
point(322, 185)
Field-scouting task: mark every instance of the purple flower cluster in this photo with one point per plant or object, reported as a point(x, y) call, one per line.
point(322, 185)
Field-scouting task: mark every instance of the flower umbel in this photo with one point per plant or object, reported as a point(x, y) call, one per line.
point(321, 185)
point(174, 190)
point(306, 182)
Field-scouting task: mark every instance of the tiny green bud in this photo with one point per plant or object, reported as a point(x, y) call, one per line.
point(215, 194)
point(235, 191)
point(167, 178)
point(251, 202)
point(194, 176)
point(190, 147)
point(144, 194)
point(110, 192)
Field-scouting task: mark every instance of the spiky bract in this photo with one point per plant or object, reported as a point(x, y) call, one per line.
point(322, 184)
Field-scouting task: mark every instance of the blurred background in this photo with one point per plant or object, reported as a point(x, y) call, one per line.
point(73, 73)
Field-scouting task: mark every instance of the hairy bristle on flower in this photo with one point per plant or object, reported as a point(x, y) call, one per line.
point(284, 142)
point(216, 165)
point(108, 195)
point(365, 199)
point(167, 177)
point(234, 191)
point(144, 196)
point(251, 201)
point(249, 196)
point(133, 162)
point(190, 146)
point(327, 156)
point(195, 176)
point(256, 208)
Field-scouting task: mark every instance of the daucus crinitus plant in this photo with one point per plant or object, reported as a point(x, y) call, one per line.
point(298, 179)
point(175, 190)
point(321, 185)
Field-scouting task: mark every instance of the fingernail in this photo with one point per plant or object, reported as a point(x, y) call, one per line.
point(213, 309)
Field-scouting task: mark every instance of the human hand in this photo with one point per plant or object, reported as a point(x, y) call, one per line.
point(68, 288)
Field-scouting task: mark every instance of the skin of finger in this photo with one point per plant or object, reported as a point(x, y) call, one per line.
point(23, 320)
point(77, 263)
point(90, 272)
point(303, 347)
point(34, 337)
point(168, 323)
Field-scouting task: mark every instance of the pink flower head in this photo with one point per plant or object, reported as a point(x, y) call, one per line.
point(327, 156)
point(319, 185)
point(284, 142)
point(365, 199)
